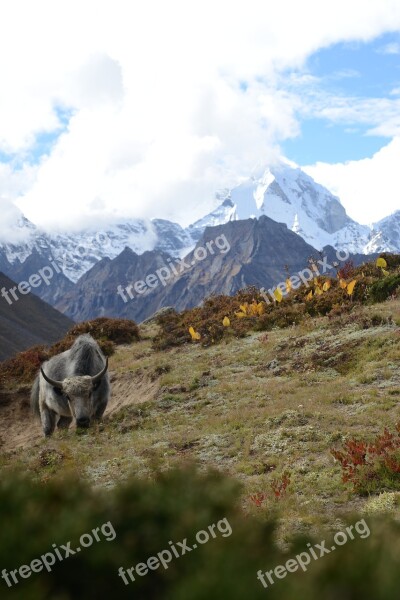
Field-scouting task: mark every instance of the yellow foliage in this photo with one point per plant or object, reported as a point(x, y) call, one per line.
point(327, 285)
point(278, 295)
point(195, 334)
point(240, 315)
point(226, 322)
point(253, 309)
point(350, 287)
point(386, 273)
point(288, 285)
point(261, 308)
point(343, 284)
point(309, 295)
point(381, 262)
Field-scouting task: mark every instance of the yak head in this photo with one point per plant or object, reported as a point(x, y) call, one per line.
point(78, 390)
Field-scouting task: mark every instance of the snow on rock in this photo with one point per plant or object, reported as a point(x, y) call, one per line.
point(288, 195)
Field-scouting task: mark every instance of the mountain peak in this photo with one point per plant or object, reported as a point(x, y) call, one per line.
point(283, 192)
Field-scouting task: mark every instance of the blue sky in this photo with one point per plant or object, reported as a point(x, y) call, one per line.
point(42, 142)
point(353, 69)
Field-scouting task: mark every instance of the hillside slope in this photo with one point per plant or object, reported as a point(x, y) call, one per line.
point(253, 407)
point(27, 322)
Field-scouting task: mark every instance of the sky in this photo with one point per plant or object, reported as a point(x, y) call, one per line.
point(119, 109)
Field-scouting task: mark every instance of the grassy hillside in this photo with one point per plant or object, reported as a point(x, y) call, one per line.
point(253, 407)
point(269, 409)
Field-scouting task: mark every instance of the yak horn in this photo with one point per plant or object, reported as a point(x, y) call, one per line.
point(102, 372)
point(53, 382)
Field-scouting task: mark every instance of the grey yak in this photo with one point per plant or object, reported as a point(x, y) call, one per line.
point(73, 384)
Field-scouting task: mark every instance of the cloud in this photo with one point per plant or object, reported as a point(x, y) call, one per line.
point(368, 188)
point(392, 48)
point(314, 100)
point(13, 182)
point(168, 101)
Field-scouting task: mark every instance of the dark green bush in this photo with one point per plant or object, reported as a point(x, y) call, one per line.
point(146, 515)
point(283, 316)
point(381, 290)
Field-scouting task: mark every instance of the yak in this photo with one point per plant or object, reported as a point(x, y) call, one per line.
point(73, 384)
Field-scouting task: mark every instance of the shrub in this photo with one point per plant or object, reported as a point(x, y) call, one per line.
point(120, 331)
point(347, 271)
point(207, 320)
point(371, 467)
point(278, 486)
point(383, 289)
point(393, 260)
point(324, 304)
point(283, 316)
point(146, 514)
point(23, 367)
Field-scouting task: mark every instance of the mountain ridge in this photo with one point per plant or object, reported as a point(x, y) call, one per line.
point(283, 193)
point(27, 321)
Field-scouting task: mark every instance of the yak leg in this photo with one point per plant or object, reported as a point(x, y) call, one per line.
point(64, 422)
point(48, 418)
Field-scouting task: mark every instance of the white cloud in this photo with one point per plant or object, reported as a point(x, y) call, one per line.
point(381, 115)
point(160, 119)
point(392, 48)
point(368, 188)
point(13, 182)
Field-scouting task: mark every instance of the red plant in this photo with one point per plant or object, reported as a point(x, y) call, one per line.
point(347, 270)
point(378, 461)
point(279, 486)
point(258, 498)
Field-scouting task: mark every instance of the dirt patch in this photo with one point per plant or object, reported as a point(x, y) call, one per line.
point(127, 389)
point(17, 427)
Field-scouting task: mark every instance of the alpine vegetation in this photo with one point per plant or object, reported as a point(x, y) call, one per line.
point(73, 384)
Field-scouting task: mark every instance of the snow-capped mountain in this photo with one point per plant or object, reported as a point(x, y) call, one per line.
point(288, 195)
point(385, 234)
point(77, 252)
point(224, 213)
point(282, 192)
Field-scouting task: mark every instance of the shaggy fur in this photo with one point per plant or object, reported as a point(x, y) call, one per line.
point(77, 386)
point(78, 397)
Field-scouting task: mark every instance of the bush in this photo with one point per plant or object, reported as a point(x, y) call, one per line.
point(371, 467)
point(324, 304)
point(283, 316)
point(347, 271)
point(145, 515)
point(207, 320)
point(383, 289)
point(23, 367)
point(120, 331)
